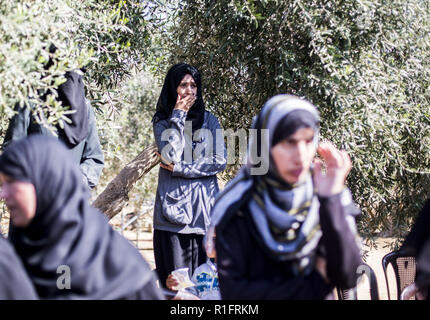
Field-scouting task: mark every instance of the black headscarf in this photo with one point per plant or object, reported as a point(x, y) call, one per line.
point(66, 230)
point(167, 100)
point(72, 94)
point(294, 121)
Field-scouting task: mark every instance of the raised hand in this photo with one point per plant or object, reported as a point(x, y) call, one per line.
point(338, 165)
point(185, 103)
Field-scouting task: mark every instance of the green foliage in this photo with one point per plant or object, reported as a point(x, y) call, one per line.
point(114, 40)
point(109, 38)
point(364, 64)
point(27, 29)
point(127, 132)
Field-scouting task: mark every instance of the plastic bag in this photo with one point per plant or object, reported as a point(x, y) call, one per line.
point(183, 278)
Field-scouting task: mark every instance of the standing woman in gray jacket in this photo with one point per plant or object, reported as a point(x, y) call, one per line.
point(192, 150)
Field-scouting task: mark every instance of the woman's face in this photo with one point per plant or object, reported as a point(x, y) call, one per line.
point(187, 87)
point(20, 198)
point(293, 156)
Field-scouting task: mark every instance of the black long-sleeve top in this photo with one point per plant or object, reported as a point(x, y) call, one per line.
point(417, 244)
point(420, 232)
point(247, 272)
point(87, 154)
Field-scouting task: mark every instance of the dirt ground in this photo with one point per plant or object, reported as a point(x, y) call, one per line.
point(374, 260)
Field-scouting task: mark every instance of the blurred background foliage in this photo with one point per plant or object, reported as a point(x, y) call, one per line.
point(364, 64)
point(114, 42)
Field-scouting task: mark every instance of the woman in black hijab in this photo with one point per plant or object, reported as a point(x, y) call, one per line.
point(80, 135)
point(169, 95)
point(192, 153)
point(68, 248)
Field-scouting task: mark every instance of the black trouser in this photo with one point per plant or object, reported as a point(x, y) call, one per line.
point(176, 250)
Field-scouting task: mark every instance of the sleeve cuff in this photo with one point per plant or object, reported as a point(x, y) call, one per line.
point(177, 114)
point(177, 168)
point(344, 198)
point(329, 198)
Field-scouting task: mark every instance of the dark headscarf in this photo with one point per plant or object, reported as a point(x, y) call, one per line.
point(66, 230)
point(292, 122)
point(72, 94)
point(167, 100)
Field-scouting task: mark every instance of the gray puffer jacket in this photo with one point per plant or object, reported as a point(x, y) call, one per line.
point(185, 196)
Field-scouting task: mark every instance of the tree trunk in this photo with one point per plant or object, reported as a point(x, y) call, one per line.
point(115, 197)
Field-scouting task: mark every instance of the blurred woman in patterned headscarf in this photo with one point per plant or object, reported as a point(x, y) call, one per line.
point(288, 233)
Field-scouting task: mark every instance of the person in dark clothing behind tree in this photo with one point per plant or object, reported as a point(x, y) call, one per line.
point(187, 181)
point(14, 281)
point(80, 136)
point(284, 229)
point(68, 248)
point(417, 244)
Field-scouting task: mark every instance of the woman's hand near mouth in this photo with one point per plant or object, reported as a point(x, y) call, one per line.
point(338, 164)
point(185, 103)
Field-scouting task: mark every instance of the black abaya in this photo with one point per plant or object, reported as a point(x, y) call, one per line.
point(67, 231)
